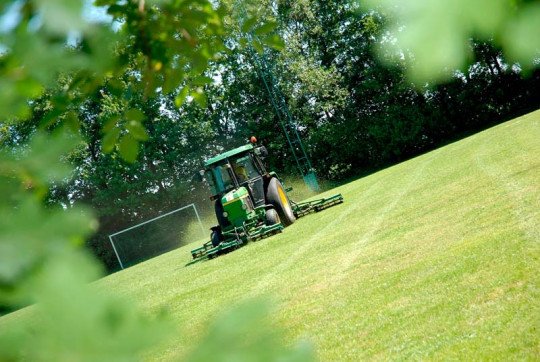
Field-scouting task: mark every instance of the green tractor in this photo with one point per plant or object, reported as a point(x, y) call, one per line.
point(250, 203)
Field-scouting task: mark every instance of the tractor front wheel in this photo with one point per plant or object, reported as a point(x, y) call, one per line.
point(215, 238)
point(276, 196)
point(272, 217)
point(222, 220)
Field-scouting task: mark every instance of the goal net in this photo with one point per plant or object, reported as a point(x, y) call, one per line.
point(157, 236)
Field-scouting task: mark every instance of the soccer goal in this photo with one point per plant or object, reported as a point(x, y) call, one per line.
point(156, 236)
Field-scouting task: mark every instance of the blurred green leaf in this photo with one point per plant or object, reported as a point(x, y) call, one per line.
point(116, 87)
point(258, 46)
point(41, 163)
point(433, 38)
point(79, 322)
point(30, 232)
point(200, 98)
point(243, 42)
point(110, 139)
point(248, 25)
point(173, 78)
point(12, 103)
point(244, 333)
point(522, 39)
point(29, 88)
point(181, 97)
point(200, 61)
point(72, 121)
point(101, 42)
point(62, 16)
point(201, 80)
point(199, 16)
point(274, 41)
point(137, 130)
point(134, 115)
point(117, 10)
point(104, 2)
point(266, 28)
point(111, 123)
point(51, 117)
point(73, 322)
point(128, 148)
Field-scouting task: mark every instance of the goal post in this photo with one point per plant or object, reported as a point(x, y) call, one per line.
point(156, 236)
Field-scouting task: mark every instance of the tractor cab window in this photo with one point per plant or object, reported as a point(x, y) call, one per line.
point(244, 169)
point(208, 175)
point(228, 182)
point(219, 179)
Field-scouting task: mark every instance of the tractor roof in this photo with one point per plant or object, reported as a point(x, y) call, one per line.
point(228, 154)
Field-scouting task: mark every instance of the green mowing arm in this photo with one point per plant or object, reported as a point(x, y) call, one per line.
point(233, 240)
point(304, 208)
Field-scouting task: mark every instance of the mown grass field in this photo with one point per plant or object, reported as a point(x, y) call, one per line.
point(435, 258)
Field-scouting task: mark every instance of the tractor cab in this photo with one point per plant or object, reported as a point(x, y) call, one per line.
point(245, 195)
point(240, 167)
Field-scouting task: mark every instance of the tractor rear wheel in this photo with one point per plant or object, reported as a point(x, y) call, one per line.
point(276, 196)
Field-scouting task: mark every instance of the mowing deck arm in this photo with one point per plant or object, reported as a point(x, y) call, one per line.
point(301, 209)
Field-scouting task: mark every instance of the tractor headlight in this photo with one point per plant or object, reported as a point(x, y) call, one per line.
point(244, 206)
point(225, 214)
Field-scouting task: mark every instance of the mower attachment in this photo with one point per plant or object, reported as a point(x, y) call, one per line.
point(304, 208)
point(233, 240)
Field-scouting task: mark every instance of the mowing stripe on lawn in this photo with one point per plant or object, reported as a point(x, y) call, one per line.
point(263, 283)
point(354, 253)
point(515, 191)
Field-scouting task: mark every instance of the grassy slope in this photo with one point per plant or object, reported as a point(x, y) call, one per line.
point(436, 257)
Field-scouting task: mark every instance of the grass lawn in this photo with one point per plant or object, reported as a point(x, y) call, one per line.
point(434, 258)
